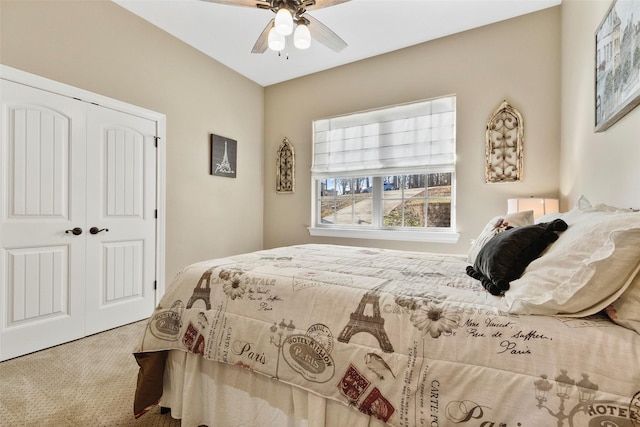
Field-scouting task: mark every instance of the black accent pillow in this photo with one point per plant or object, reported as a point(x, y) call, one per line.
point(505, 257)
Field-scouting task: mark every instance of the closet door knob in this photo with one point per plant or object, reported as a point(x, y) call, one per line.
point(76, 231)
point(96, 230)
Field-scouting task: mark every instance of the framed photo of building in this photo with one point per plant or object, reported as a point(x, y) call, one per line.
point(224, 152)
point(617, 65)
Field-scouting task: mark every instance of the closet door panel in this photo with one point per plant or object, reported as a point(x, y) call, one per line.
point(42, 268)
point(120, 257)
point(123, 162)
point(39, 285)
point(123, 266)
point(39, 150)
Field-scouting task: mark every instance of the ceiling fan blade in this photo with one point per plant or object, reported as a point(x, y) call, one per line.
point(263, 40)
point(324, 35)
point(249, 3)
point(319, 4)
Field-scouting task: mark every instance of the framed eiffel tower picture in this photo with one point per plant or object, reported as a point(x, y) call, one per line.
point(224, 153)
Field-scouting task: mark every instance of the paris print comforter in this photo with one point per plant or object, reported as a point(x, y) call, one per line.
point(406, 337)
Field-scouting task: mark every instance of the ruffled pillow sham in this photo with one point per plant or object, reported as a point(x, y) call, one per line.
point(585, 270)
point(625, 310)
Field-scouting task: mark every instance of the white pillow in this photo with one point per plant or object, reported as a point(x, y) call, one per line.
point(581, 273)
point(585, 205)
point(495, 226)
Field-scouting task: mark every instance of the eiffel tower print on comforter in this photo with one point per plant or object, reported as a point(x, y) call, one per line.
point(405, 337)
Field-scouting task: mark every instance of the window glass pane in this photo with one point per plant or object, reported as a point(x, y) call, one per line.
point(392, 211)
point(362, 197)
point(327, 212)
point(346, 201)
point(419, 200)
point(327, 188)
point(439, 200)
point(403, 201)
point(414, 215)
point(327, 201)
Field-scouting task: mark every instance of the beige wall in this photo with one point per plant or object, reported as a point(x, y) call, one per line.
point(516, 60)
point(101, 47)
point(603, 166)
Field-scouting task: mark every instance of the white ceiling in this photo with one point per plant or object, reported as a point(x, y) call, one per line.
point(370, 27)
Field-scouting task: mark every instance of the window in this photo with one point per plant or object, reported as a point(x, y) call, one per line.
point(386, 174)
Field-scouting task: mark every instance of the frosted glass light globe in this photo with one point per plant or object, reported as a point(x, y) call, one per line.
point(276, 40)
point(302, 37)
point(284, 22)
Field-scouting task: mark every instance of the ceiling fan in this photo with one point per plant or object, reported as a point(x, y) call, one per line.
point(290, 14)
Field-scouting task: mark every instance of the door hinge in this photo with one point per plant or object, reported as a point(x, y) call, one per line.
point(155, 285)
point(156, 214)
point(156, 139)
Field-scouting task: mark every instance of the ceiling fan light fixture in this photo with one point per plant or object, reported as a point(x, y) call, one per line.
point(302, 37)
point(276, 40)
point(284, 21)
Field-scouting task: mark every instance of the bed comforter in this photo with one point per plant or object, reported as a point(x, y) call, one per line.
point(406, 337)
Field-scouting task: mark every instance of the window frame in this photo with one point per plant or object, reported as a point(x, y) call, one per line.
point(377, 230)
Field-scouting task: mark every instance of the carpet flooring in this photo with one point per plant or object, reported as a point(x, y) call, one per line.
point(88, 382)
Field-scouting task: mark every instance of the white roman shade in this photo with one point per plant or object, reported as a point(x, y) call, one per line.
point(406, 138)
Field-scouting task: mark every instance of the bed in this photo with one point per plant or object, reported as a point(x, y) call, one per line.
point(325, 335)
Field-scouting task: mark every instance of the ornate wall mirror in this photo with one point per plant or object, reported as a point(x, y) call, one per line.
point(504, 140)
point(285, 168)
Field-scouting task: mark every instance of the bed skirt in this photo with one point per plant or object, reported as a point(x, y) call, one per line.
point(202, 392)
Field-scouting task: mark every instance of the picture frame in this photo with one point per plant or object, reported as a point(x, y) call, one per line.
point(224, 154)
point(617, 63)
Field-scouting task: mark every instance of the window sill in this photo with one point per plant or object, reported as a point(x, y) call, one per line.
point(406, 235)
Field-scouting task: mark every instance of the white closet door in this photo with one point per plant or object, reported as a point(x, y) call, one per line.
point(42, 198)
point(121, 203)
point(67, 167)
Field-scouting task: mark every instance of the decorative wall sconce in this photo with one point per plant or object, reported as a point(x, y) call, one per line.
point(285, 168)
point(504, 139)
